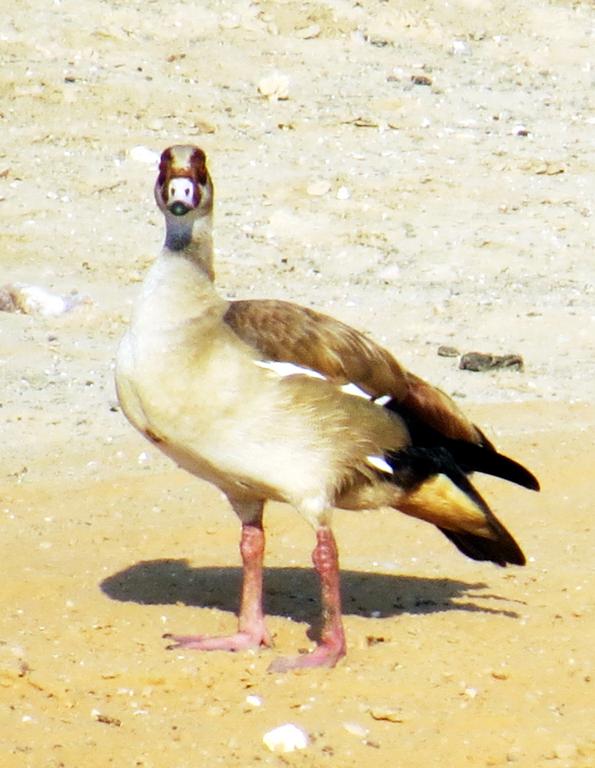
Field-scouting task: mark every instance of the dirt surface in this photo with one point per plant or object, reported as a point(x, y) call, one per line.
point(422, 170)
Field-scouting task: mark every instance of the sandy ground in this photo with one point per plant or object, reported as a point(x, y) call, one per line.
point(429, 178)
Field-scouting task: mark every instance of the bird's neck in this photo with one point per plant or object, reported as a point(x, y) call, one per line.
point(192, 241)
point(179, 286)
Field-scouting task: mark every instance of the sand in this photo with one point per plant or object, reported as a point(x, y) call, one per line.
point(423, 171)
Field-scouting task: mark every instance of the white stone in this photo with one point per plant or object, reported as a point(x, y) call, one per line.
point(286, 738)
point(274, 86)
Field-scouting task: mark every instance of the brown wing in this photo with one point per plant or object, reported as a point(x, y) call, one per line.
point(286, 332)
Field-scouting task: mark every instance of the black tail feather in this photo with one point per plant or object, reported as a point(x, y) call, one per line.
point(476, 458)
point(470, 457)
point(500, 551)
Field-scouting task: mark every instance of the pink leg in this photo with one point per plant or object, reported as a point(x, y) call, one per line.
point(252, 632)
point(331, 647)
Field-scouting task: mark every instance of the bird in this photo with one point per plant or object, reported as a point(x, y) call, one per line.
point(270, 400)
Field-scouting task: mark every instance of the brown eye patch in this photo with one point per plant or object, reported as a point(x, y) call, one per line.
point(164, 166)
point(198, 162)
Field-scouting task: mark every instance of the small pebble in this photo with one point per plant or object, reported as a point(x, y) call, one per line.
point(253, 700)
point(275, 87)
point(520, 130)
point(460, 48)
point(445, 351)
point(355, 729)
point(308, 33)
point(390, 273)
point(421, 80)
point(286, 738)
point(480, 361)
point(391, 714)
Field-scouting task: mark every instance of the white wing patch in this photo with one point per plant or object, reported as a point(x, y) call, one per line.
point(353, 389)
point(379, 463)
point(283, 369)
point(382, 400)
point(287, 369)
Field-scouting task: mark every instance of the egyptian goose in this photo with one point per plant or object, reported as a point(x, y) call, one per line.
point(270, 400)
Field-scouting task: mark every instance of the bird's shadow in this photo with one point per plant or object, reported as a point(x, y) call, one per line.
point(293, 592)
